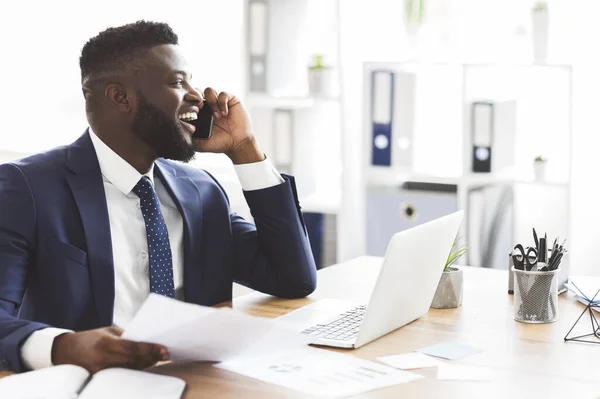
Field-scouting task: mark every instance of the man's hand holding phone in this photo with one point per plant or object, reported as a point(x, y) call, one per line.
point(232, 132)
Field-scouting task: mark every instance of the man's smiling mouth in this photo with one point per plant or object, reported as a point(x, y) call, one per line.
point(188, 116)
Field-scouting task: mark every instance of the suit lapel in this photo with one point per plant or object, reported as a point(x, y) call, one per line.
point(87, 188)
point(186, 196)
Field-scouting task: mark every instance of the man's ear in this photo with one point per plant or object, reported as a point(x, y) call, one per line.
point(119, 97)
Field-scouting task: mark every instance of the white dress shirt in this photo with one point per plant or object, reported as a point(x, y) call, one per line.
point(129, 242)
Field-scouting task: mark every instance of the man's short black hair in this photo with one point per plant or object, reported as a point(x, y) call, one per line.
point(112, 48)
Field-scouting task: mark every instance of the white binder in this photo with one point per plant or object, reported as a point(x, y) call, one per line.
point(257, 44)
point(277, 49)
point(283, 139)
point(403, 132)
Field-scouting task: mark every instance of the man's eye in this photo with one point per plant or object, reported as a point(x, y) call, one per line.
point(178, 82)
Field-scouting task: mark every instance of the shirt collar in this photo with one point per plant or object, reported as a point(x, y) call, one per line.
point(115, 169)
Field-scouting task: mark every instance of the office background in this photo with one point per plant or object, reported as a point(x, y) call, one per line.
point(325, 139)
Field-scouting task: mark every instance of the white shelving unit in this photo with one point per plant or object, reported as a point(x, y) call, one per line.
point(313, 144)
point(442, 149)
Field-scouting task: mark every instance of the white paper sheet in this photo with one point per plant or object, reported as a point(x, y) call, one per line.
point(410, 361)
point(319, 372)
point(58, 382)
point(461, 372)
point(193, 332)
point(132, 384)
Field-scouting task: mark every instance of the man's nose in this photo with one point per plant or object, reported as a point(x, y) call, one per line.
point(194, 95)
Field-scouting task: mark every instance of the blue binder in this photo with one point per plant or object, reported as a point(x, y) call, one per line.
point(382, 110)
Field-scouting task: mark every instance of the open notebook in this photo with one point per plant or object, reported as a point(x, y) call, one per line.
point(69, 382)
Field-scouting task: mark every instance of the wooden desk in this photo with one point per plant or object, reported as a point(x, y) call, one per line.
point(528, 360)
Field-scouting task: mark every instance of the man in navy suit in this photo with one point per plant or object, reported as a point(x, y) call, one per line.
point(88, 230)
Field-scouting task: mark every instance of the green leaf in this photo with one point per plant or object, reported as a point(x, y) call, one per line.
point(455, 253)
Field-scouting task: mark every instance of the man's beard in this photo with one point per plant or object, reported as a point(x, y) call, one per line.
point(164, 135)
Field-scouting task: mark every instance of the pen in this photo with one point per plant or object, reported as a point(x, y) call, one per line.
point(535, 238)
point(542, 253)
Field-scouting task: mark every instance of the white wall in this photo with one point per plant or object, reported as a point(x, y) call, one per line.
point(41, 105)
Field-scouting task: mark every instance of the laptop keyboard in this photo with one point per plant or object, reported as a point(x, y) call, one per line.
point(343, 328)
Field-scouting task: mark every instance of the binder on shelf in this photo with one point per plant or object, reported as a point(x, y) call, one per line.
point(277, 50)
point(283, 138)
point(482, 130)
point(493, 135)
point(404, 108)
point(382, 106)
point(257, 44)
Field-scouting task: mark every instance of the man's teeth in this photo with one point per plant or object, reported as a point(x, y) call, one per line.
point(190, 116)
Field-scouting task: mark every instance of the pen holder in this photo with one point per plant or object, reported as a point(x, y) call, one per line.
point(536, 296)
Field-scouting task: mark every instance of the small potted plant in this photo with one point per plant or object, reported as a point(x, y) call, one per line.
point(539, 31)
point(449, 292)
point(414, 16)
point(539, 168)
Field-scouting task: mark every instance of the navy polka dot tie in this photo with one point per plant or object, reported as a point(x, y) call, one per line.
point(159, 249)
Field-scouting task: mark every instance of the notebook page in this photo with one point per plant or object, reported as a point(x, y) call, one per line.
point(131, 384)
point(58, 382)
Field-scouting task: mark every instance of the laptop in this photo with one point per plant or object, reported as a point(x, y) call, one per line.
point(403, 292)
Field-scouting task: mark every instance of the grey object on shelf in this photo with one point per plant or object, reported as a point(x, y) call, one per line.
point(489, 225)
point(322, 233)
point(393, 209)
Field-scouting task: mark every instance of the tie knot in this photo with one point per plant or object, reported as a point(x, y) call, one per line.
point(144, 188)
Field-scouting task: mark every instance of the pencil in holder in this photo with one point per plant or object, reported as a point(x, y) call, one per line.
point(536, 296)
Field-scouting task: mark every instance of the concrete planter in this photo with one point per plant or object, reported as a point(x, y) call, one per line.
point(539, 170)
point(449, 292)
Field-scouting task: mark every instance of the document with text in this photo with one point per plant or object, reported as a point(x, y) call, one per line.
point(319, 372)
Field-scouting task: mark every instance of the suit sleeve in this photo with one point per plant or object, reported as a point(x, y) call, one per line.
point(17, 235)
point(273, 255)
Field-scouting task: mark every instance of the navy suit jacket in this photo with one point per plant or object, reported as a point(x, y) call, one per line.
point(56, 262)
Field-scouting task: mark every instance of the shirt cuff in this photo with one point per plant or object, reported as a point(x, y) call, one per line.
point(36, 352)
point(258, 175)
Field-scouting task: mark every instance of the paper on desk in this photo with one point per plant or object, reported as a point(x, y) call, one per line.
point(585, 287)
point(410, 361)
point(461, 372)
point(449, 350)
point(193, 332)
point(319, 372)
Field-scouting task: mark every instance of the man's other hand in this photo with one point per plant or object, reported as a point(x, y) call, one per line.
point(103, 348)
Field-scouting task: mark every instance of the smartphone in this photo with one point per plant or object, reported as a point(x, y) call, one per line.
point(203, 124)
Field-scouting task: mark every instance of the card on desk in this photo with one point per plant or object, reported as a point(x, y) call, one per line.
point(67, 381)
point(449, 350)
point(410, 361)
